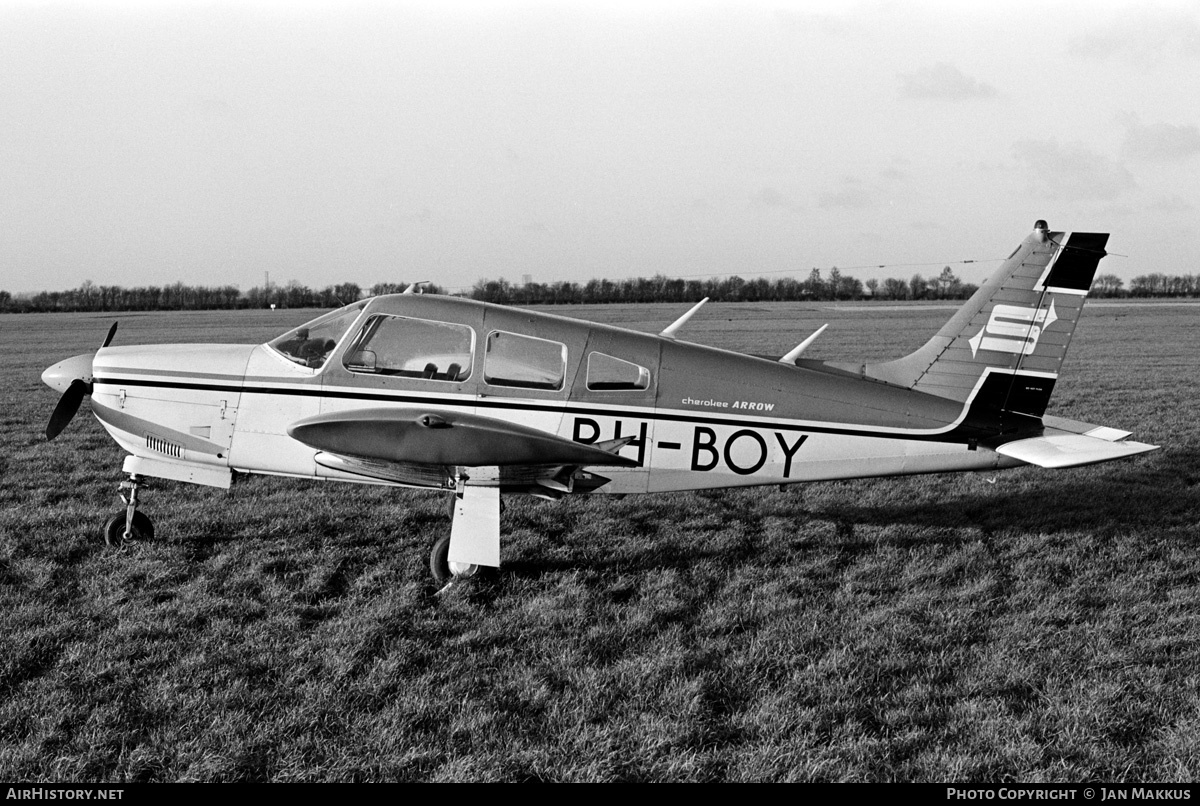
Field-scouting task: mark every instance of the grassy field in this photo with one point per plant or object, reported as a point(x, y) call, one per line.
point(1034, 626)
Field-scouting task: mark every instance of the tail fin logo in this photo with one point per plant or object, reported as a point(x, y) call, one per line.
point(1013, 329)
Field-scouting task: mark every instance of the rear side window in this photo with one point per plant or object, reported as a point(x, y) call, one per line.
point(524, 362)
point(412, 348)
point(606, 373)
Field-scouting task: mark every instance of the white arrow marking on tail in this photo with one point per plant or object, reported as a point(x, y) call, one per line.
point(1013, 329)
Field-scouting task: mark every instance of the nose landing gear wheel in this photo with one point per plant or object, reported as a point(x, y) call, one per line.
point(442, 569)
point(114, 529)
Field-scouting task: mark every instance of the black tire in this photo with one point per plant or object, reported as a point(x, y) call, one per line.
point(114, 529)
point(442, 569)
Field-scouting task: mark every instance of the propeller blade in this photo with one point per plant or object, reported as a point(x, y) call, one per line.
point(112, 331)
point(68, 404)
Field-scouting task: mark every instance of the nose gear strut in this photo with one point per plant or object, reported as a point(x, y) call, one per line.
point(131, 524)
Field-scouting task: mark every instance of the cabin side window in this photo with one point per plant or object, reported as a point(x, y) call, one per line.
point(608, 374)
point(524, 362)
point(412, 348)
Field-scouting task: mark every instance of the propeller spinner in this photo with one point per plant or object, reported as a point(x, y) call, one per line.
point(72, 377)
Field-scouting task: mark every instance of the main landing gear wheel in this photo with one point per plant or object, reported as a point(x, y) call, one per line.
point(114, 529)
point(445, 571)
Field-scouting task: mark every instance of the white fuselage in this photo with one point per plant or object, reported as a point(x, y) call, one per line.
point(203, 412)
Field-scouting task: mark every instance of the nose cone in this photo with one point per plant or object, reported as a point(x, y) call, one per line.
point(59, 376)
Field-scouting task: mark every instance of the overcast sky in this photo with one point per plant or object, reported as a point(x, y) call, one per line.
point(144, 143)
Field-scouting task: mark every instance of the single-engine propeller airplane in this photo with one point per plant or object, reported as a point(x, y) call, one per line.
point(477, 399)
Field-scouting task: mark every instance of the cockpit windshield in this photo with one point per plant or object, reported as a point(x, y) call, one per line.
point(310, 344)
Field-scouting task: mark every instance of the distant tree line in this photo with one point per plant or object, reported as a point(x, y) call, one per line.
point(180, 297)
point(1147, 285)
point(835, 286)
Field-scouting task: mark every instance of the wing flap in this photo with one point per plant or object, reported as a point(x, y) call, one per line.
point(1070, 450)
point(544, 481)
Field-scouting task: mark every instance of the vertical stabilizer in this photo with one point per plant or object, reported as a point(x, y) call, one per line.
point(1008, 342)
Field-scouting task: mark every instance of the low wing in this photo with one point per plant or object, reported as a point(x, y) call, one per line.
point(1070, 443)
point(444, 438)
